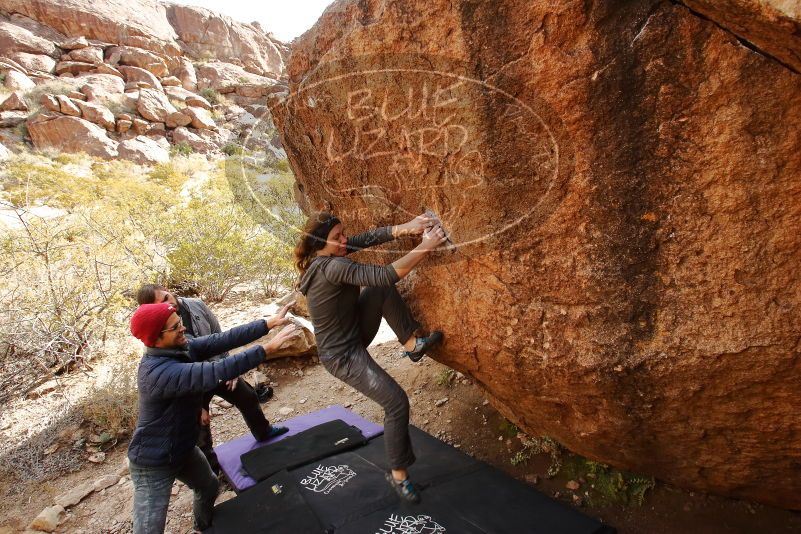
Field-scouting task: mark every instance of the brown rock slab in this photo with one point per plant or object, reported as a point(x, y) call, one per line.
point(105, 68)
point(74, 496)
point(90, 54)
point(67, 106)
point(74, 43)
point(170, 81)
point(200, 31)
point(174, 120)
point(154, 105)
point(74, 67)
point(140, 126)
point(772, 26)
point(123, 125)
point(136, 75)
point(71, 134)
point(302, 343)
point(108, 480)
point(34, 62)
point(225, 77)
point(17, 81)
point(9, 119)
point(50, 102)
point(200, 118)
point(198, 143)
point(48, 519)
point(15, 38)
point(139, 23)
point(14, 102)
point(97, 114)
point(301, 306)
point(186, 73)
point(634, 205)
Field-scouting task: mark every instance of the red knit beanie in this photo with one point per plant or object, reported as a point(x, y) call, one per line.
point(148, 321)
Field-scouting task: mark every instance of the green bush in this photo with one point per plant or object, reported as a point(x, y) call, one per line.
point(212, 96)
point(233, 149)
point(181, 149)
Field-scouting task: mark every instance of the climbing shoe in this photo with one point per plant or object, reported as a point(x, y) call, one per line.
point(264, 393)
point(405, 489)
point(276, 431)
point(422, 344)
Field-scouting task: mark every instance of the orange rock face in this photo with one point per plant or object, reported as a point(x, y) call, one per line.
point(622, 181)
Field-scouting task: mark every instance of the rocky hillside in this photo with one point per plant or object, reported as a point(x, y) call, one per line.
point(623, 184)
point(131, 78)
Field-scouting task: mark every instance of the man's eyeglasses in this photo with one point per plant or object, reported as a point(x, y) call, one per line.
point(173, 328)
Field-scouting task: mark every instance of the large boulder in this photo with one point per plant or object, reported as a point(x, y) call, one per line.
point(140, 23)
point(14, 38)
point(200, 118)
point(154, 105)
point(773, 26)
point(137, 57)
point(205, 33)
point(71, 134)
point(98, 85)
point(17, 81)
point(97, 113)
point(134, 75)
point(225, 77)
point(34, 62)
point(14, 102)
point(144, 150)
point(89, 54)
point(186, 73)
point(621, 182)
point(193, 139)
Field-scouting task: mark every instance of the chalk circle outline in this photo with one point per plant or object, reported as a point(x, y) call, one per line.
point(553, 181)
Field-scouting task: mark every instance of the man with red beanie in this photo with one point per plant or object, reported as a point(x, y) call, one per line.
point(173, 375)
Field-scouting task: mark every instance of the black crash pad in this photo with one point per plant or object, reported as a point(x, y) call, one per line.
point(317, 442)
point(347, 493)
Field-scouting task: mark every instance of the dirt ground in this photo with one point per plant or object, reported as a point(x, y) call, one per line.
point(465, 420)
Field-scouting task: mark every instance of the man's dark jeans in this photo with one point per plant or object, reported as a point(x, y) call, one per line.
point(152, 486)
point(247, 402)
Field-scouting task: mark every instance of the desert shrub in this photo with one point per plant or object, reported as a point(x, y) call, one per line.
point(51, 87)
point(608, 485)
point(212, 96)
point(233, 149)
point(181, 149)
point(111, 406)
point(61, 295)
point(539, 445)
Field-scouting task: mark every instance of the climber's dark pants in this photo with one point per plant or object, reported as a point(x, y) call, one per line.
point(357, 368)
point(244, 398)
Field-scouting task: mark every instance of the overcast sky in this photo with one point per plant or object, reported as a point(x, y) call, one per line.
point(286, 19)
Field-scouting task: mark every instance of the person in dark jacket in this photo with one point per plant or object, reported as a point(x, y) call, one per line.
point(199, 321)
point(172, 377)
point(346, 318)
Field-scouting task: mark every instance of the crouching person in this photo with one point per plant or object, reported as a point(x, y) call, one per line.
point(172, 378)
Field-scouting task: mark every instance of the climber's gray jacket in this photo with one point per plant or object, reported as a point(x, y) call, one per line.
point(332, 284)
point(171, 385)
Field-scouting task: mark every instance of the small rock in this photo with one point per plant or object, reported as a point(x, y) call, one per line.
point(285, 410)
point(303, 401)
point(174, 491)
point(578, 501)
point(48, 519)
point(105, 482)
point(572, 485)
point(97, 458)
point(74, 496)
point(485, 402)
point(557, 494)
point(225, 404)
point(533, 479)
point(441, 402)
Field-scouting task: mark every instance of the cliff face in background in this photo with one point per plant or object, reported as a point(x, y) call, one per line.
point(625, 181)
point(126, 78)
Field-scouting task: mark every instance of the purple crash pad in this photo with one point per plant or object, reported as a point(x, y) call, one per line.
point(229, 454)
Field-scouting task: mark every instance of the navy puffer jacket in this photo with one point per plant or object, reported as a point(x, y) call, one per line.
point(171, 386)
